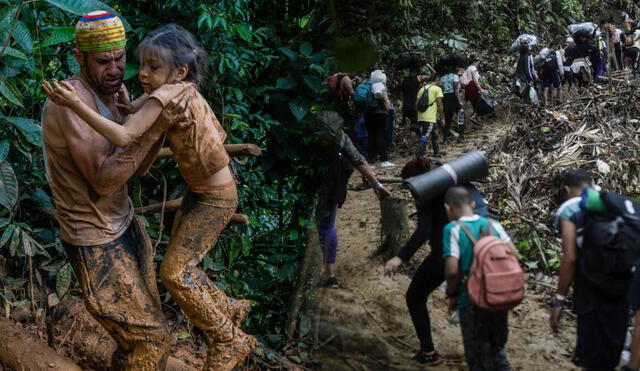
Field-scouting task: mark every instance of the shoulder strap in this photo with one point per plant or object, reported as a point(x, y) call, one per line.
point(467, 232)
point(490, 226)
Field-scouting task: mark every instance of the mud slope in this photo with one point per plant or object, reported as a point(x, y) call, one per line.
point(365, 325)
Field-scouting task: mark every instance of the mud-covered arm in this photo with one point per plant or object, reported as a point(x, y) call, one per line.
point(121, 135)
point(104, 169)
point(151, 157)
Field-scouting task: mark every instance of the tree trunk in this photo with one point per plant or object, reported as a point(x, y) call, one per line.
point(73, 331)
point(308, 278)
point(394, 226)
point(20, 351)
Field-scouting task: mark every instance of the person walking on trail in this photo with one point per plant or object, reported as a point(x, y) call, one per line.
point(525, 73)
point(410, 86)
point(335, 173)
point(341, 94)
point(171, 58)
point(376, 121)
point(484, 332)
point(430, 116)
point(569, 56)
point(552, 71)
point(602, 319)
point(108, 248)
point(451, 102)
point(432, 219)
point(470, 80)
point(585, 49)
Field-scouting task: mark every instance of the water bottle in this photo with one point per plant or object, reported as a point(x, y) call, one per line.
point(461, 117)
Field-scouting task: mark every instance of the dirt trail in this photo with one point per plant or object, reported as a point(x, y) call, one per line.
point(365, 325)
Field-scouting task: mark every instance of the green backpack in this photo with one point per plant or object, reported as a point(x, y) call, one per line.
point(325, 129)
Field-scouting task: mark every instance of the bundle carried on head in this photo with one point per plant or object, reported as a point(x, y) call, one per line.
point(587, 29)
point(100, 31)
point(524, 40)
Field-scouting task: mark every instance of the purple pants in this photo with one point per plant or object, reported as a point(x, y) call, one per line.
point(326, 220)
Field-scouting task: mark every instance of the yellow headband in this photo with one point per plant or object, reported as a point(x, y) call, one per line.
point(100, 31)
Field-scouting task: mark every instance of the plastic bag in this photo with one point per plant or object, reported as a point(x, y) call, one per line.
point(533, 96)
point(582, 29)
point(378, 76)
point(378, 90)
point(524, 39)
point(544, 53)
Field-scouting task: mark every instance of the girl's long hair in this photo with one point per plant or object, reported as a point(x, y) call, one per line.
point(177, 47)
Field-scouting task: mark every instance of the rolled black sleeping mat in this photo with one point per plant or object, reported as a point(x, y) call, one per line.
point(466, 168)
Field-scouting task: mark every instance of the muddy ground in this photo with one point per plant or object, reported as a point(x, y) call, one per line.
point(365, 325)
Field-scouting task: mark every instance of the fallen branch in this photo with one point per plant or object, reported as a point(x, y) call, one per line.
point(173, 205)
point(233, 150)
point(20, 351)
point(390, 180)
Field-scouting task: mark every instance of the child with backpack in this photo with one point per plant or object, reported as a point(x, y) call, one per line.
point(483, 313)
point(602, 313)
point(429, 275)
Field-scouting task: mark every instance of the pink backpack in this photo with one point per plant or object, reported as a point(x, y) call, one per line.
point(496, 280)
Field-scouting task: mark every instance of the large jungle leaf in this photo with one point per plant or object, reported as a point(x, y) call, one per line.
point(8, 186)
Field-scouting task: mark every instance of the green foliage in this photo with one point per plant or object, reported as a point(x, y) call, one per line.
point(262, 79)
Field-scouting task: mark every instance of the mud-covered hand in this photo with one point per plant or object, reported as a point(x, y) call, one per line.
point(250, 149)
point(61, 93)
point(554, 319)
point(392, 265)
point(123, 102)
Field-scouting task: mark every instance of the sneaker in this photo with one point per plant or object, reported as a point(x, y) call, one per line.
point(331, 283)
point(432, 359)
point(387, 164)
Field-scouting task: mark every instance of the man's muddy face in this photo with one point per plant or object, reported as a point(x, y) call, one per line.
point(105, 70)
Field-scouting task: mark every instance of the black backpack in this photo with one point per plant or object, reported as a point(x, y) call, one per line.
point(611, 245)
point(423, 102)
point(326, 130)
point(551, 62)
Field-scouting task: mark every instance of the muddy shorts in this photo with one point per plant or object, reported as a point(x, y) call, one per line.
point(484, 335)
point(119, 288)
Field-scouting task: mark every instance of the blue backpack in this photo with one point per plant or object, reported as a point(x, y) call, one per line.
point(364, 100)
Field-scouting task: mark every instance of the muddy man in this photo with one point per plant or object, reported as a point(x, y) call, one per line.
point(108, 248)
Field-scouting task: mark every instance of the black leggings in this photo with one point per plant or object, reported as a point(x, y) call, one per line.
point(428, 277)
point(376, 132)
point(451, 106)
